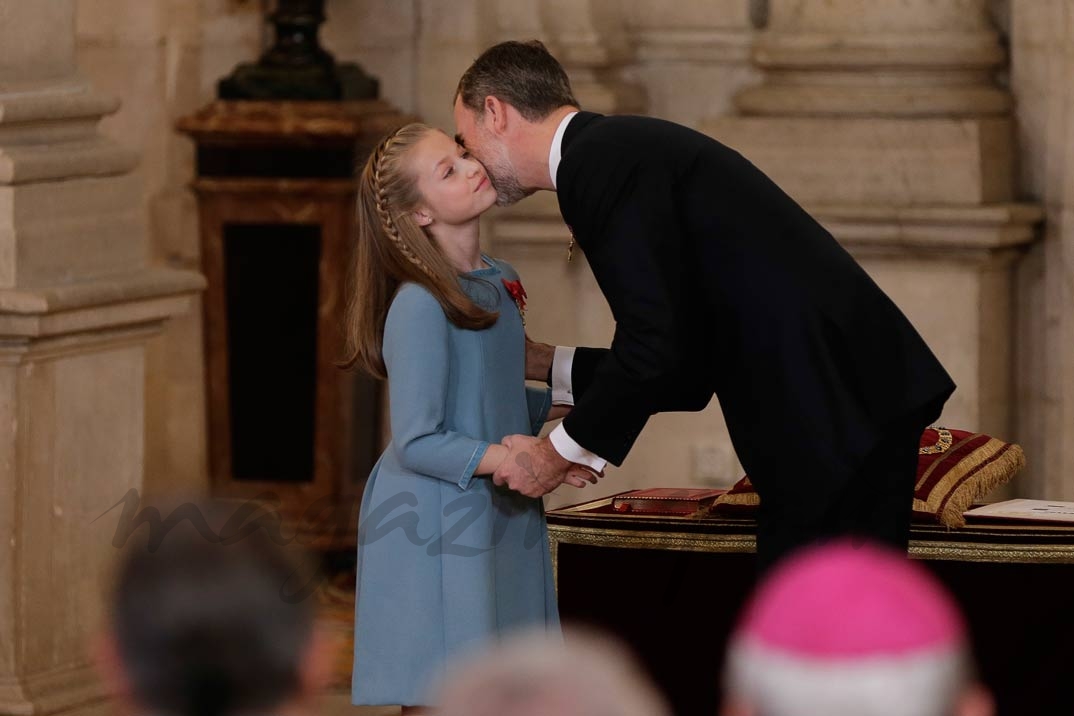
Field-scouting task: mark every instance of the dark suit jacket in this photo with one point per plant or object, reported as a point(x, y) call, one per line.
point(721, 284)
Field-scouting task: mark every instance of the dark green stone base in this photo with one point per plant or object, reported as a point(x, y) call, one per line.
point(346, 81)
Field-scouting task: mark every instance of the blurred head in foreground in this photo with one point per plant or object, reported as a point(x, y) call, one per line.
point(203, 627)
point(542, 674)
point(851, 630)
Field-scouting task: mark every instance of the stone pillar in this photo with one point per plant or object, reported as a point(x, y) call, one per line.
point(1042, 63)
point(884, 121)
point(78, 302)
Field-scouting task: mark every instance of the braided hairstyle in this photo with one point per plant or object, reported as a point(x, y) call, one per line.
point(392, 248)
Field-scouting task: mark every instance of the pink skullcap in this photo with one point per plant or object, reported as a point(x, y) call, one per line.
point(845, 600)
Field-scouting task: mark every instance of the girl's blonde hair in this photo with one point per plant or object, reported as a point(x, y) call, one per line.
point(391, 249)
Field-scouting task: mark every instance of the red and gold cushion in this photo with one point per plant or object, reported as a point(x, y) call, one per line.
point(954, 469)
point(740, 496)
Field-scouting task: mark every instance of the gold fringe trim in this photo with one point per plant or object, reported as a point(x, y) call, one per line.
point(993, 472)
point(742, 499)
point(946, 506)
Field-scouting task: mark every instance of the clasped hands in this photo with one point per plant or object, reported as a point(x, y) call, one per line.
point(534, 468)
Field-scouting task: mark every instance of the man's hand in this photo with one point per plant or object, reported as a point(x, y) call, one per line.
point(534, 468)
point(538, 360)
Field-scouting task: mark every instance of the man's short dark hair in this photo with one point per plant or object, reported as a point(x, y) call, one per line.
point(204, 628)
point(523, 74)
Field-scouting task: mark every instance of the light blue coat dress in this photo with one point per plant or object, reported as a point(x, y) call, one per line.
point(447, 560)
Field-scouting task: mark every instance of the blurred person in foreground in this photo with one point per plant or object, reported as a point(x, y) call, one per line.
point(535, 673)
point(852, 629)
point(207, 627)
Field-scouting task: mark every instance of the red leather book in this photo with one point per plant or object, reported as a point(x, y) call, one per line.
point(666, 500)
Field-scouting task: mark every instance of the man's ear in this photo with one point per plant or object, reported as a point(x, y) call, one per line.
point(422, 216)
point(495, 115)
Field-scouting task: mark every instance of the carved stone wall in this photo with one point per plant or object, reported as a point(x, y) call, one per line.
point(1042, 63)
point(80, 299)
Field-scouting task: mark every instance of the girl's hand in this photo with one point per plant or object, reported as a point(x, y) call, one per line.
point(493, 458)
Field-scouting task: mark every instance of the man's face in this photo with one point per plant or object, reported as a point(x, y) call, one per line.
point(472, 134)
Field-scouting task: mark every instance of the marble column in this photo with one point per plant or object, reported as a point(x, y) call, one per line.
point(884, 120)
point(79, 299)
point(1042, 64)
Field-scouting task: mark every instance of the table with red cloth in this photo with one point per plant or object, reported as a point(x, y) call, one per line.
point(671, 587)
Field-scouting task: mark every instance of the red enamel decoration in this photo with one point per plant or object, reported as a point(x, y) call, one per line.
point(515, 290)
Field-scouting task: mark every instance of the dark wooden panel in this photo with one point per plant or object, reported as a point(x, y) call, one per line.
point(673, 588)
point(276, 193)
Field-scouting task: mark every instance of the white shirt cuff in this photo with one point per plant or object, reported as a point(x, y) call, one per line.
point(570, 450)
point(562, 362)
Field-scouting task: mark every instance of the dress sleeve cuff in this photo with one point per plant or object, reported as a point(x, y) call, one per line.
point(542, 413)
point(562, 363)
point(570, 450)
point(475, 460)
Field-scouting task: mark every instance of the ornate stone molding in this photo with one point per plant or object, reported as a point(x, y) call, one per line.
point(958, 232)
point(36, 122)
point(148, 296)
point(718, 32)
point(871, 57)
point(714, 46)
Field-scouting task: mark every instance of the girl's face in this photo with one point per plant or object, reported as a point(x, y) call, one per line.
point(455, 188)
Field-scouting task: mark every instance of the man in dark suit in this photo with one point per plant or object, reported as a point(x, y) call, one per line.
point(720, 284)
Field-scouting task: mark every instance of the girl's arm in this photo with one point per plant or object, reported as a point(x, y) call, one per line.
point(492, 459)
point(416, 356)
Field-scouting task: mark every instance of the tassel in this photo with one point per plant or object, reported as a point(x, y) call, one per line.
point(990, 474)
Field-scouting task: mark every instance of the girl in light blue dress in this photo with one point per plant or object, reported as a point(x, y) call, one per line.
point(446, 559)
